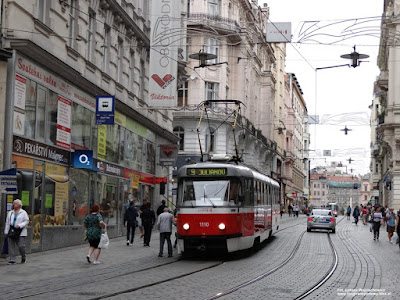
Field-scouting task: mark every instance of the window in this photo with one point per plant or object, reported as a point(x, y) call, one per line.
point(212, 89)
point(30, 109)
point(323, 193)
point(40, 113)
point(365, 188)
point(120, 60)
point(142, 75)
point(51, 118)
point(365, 197)
point(183, 94)
point(213, 48)
point(132, 72)
point(72, 24)
point(180, 132)
point(213, 7)
point(43, 8)
point(90, 35)
point(106, 48)
point(210, 140)
point(112, 151)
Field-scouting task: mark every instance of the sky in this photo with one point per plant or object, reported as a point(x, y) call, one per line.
point(322, 31)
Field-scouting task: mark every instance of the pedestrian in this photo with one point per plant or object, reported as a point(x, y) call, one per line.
point(17, 220)
point(130, 222)
point(391, 223)
point(160, 209)
point(397, 226)
point(364, 215)
point(148, 219)
point(141, 208)
point(296, 211)
point(94, 223)
point(377, 220)
point(164, 224)
point(348, 212)
point(356, 214)
point(282, 211)
point(105, 210)
point(290, 210)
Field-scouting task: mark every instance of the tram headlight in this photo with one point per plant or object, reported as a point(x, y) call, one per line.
point(221, 226)
point(186, 226)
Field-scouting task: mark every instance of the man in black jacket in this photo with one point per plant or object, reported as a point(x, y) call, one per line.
point(148, 220)
point(130, 220)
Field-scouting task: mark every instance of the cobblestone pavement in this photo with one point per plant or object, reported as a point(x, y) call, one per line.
point(365, 267)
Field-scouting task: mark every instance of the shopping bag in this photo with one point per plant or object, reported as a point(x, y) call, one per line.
point(395, 238)
point(104, 241)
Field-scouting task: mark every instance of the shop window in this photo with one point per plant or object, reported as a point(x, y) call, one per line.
point(150, 166)
point(112, 144)
point(108, 193)
point(51, 118)
point(130, 152)
point(81, 130)
point(79, 190)
point(30, 109)
point(40, 113)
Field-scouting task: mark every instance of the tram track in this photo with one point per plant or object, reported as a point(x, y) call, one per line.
point(310, 290)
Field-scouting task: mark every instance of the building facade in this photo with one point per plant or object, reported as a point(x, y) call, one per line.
point(64, 55)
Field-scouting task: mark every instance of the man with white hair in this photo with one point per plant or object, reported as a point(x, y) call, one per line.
point(15, 230)
point(164, 224)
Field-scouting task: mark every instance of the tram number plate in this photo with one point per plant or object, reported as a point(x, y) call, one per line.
point(204, 224)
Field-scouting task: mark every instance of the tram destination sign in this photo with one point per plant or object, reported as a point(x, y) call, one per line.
point(206, 172)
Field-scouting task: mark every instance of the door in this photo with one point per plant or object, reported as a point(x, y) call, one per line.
point(37, 205)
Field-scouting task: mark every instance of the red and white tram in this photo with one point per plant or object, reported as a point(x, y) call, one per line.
point(225, 207)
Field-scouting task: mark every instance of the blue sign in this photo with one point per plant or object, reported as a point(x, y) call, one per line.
point(83, 159)
point(8, 181)
point(105, 110)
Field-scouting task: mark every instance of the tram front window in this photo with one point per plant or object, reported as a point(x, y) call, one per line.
point(209, 193)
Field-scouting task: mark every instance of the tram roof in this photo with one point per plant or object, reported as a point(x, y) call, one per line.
point(233, 169)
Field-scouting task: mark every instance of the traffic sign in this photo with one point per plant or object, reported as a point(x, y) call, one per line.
point(8, 181)
point(105, 110)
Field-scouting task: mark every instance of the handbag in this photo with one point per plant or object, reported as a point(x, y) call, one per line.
point(395, 238)
point(104, 241)
point(14, 233)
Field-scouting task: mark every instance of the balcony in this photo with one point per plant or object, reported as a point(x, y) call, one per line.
point(222, 25)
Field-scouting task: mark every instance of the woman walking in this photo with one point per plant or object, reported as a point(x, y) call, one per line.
point(17, 220)
point(94, 223)
point(397, 227)
point(377, 219)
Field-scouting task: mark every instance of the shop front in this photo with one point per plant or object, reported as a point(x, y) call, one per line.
point(51, 120)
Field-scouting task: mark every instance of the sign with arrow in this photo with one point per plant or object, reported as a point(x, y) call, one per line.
point(8, 181)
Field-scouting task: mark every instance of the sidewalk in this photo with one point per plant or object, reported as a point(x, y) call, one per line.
point(72, 260)
point(69, 261)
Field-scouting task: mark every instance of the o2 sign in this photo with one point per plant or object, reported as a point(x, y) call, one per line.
point(83, 159)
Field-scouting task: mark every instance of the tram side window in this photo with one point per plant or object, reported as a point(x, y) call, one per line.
point(235, 190)
point(248, 192)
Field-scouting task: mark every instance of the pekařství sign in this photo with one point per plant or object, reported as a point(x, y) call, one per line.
point(27, 147)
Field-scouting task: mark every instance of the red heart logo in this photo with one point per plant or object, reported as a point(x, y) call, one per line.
point(168, 153)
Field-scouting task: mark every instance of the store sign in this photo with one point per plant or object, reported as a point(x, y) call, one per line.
point(168, 155)
point(83, 159)
point(31, 148)
point(20, 91)
point(105, 110)
point(165, 23)
point(279, 32)
point(64, 123)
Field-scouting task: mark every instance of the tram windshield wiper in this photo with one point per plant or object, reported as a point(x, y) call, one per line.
point(205, 196)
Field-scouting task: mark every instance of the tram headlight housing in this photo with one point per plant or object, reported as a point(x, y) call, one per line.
point(186, 226)
point(221, 226)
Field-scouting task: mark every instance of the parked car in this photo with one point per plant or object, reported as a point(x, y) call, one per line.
point(321, 219)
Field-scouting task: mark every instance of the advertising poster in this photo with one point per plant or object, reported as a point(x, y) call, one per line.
point(25, 198)
point(20, 91)
point(101, 141)
point(64, 123)
point(49, 201)
point(19, 121)
point(165, 23)
point(61, 199)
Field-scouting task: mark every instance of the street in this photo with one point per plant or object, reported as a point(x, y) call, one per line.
point(365, 269)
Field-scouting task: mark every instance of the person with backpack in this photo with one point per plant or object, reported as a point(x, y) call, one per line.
point(356, 214)
point(348, 212)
